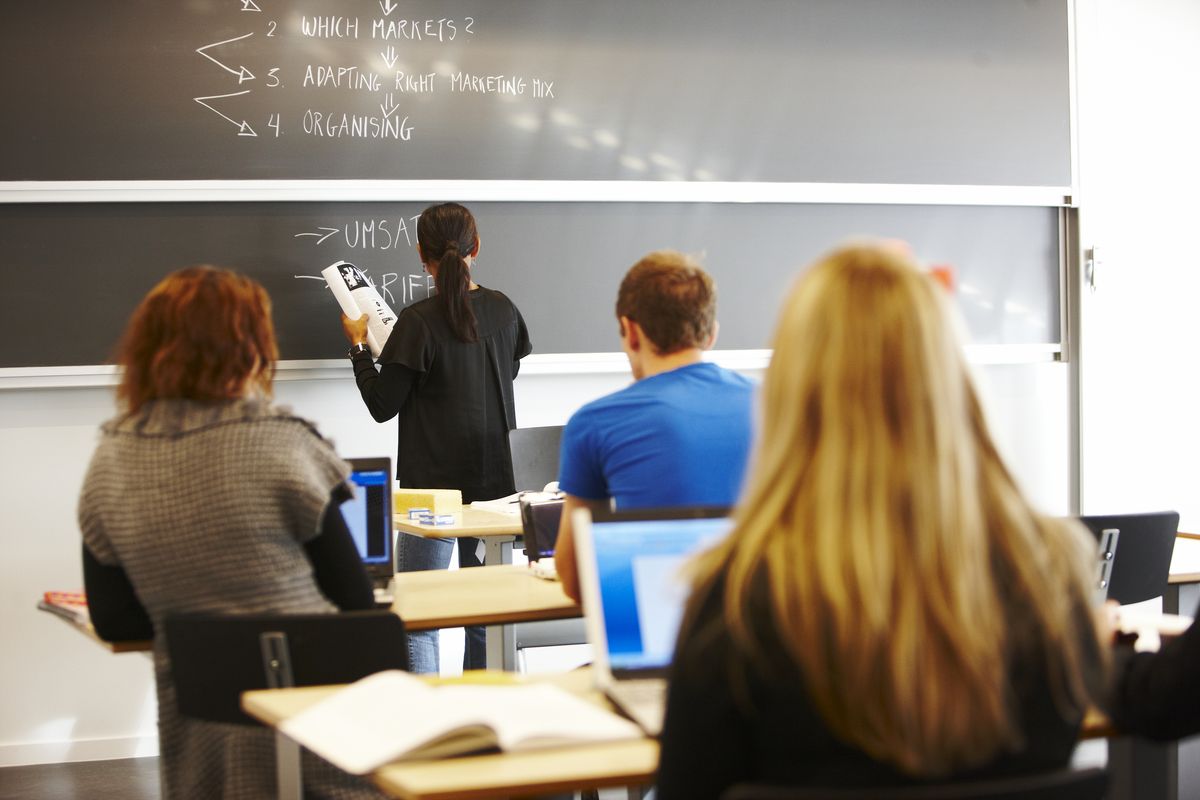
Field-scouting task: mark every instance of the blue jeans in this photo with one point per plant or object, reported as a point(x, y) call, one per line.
point(417, 554)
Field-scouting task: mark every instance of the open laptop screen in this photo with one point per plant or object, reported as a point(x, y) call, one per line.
point(369, 514)
point(642, 589)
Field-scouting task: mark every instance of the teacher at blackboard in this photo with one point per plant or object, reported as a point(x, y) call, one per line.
point(447, 369)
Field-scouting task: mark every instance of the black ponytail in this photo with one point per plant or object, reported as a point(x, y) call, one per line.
point(447, 233)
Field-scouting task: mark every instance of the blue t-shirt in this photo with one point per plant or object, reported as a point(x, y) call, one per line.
point(678, 438)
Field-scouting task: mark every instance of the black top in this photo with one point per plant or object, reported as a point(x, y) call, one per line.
point(1158, 694)
point(118, 615)
point(454, 398)
point(710, 741)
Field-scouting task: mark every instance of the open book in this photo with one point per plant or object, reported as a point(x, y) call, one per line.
point(394, 716)
point(357, 296)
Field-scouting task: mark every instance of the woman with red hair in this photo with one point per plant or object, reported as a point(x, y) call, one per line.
point(203, 496)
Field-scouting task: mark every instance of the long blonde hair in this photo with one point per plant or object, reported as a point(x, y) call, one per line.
point(885, 531)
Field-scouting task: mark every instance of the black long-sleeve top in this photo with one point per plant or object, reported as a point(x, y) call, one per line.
point(117, 615)
point(711, 741)
point(454, 398)
point(1157, 695)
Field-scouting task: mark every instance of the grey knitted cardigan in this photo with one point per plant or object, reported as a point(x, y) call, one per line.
point(207, 508)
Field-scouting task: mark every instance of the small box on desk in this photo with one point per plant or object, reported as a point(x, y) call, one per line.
point(435, 501)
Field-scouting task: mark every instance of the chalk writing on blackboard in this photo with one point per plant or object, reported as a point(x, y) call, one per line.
point(343, 66)
point(382, 235)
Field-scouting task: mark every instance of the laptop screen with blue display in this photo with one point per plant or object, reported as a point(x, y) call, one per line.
point(642, 588)
point(368, 514)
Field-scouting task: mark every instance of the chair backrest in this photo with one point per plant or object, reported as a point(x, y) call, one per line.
point(1142, 559)
point(534, 456)
point(214, 658)
point(1065, 784)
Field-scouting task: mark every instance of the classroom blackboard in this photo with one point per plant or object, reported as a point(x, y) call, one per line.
point(842, 91)
point(73, 272)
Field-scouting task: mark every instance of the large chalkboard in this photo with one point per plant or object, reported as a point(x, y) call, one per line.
point(845, 91)
point(73, 272)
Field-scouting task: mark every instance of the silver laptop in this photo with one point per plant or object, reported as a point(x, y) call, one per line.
point(634, 592)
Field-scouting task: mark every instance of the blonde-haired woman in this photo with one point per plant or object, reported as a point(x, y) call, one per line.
point(889, 608)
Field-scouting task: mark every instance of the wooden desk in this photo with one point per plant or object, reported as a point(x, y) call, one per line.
point(87, 630)
point(494, 775)
point(496, 595)
point(497, 531)
point(491, 595)
point(1185, 561)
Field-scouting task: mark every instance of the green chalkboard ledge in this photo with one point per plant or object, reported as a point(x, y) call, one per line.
point(540, 365)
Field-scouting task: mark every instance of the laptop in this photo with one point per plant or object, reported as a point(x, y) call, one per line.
point(369, 517)
point(541, 513)
point(634, 593)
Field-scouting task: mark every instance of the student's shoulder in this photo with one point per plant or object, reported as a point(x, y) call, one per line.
point(635, 395)
point(733, 379)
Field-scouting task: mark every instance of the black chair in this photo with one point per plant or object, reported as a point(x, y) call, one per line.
point(214, 658)
point(534, 456)
point(1142, 558)
point(1066, 784)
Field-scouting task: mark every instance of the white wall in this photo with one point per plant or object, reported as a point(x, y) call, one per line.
point(1140, 169)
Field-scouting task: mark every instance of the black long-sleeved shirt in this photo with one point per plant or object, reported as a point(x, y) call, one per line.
point(711, 741)
point(1157, 695)
point(454, 398)
point(118, 615)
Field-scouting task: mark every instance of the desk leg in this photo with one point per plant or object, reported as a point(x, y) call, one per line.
point(497, 550)
point(287, 768)
point(1142, 770)
point(501, 643)
point(501, 648)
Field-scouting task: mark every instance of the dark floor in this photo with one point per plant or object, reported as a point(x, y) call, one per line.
point(122, 779)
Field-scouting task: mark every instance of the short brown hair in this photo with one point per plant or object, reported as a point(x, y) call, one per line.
point(201, 334)
point(672, 298)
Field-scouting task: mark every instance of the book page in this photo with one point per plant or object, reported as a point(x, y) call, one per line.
point(357, 296)
point(382, 718)
point(392, 716)
point(542, 715)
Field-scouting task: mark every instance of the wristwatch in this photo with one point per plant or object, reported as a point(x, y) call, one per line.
point(357, 350)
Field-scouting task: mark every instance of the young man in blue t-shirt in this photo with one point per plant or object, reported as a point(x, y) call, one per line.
point(680, 434)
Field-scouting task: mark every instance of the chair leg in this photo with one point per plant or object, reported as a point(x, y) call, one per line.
point(288, 778)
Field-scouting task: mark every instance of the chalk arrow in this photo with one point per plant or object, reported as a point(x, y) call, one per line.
point(388, 106)
point(331, 232)
point(250, 5)
point(389, 57)
point(244, 128)
point(388, 7)
point(242, 73)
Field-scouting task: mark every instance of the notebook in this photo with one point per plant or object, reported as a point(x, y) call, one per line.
point(369, 516)
point(630, 574)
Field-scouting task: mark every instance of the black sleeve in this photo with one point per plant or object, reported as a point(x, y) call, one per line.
point(384, 390)
point(705, 738)
point(337, 567)
point(524, 346)
point(1158, 694)
point(117, 613)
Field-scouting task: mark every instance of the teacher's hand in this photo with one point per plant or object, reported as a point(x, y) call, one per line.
point(356, 329)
